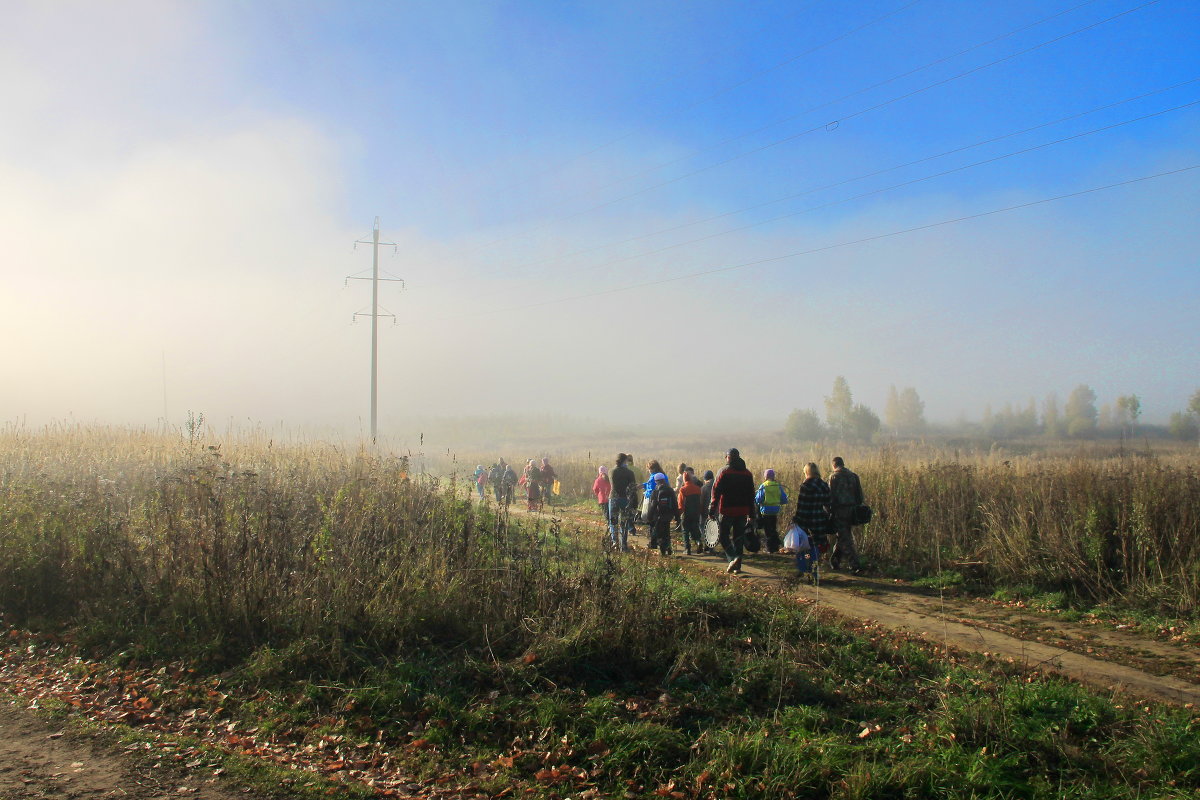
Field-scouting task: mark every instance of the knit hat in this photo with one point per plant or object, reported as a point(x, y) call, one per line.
point(660, 477)
point(769, 474)
point(603, 470)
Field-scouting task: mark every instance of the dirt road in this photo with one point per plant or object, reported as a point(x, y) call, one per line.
point(1108, 659)
point(39, 759)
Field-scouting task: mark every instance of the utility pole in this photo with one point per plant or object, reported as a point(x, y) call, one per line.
point(374, 314)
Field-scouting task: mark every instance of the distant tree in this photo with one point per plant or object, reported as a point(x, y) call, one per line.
point(1126, 412)
point(912, 410)
point(1025, 422)
point(864, 423)
point(891, 409)
point(839, 406)
point(1184, 427)
point(988, 420)
point(1051, 424)
point(905, 411)
point(1080, 411)
point(1194, 403)
point(804, 425)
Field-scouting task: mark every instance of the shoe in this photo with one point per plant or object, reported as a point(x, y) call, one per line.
point(688, 551)
point(735, 566)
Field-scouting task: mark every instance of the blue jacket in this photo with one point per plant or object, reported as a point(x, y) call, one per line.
point(770, 510)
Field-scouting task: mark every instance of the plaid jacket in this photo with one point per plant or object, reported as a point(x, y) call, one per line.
point(812, 503)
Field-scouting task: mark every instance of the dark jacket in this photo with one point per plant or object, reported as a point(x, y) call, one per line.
point(664, 492)
point(622, 478)
point(733, 491)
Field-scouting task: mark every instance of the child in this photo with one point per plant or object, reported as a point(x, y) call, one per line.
point(602, 488)
point(689, 509)
point(663, 508)
point(771, 498)
point(481, 478)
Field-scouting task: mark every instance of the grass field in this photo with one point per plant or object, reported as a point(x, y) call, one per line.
point(337, 594)
point(1107, 525)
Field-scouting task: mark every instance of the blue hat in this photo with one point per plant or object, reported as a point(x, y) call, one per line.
point(658, 476)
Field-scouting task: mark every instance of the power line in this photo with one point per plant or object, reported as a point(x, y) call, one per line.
point(863, 176)
point(839, 245)
point(838, 121)
point(900, 185)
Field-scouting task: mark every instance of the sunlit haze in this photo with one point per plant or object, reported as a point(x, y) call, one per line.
point(614, 211)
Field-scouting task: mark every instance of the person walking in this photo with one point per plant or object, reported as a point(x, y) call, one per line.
point(812, 514)
point(548, 476)
point(689, 511)
point(533, 486)
point(770, 498)
point(496, 478)
point(705, 496)
point(846, 495)
point(680, 479)
point(508, 484)
point(602, 488)
point(481, 477)
point(663, 508)
point(620, 519)
point(732, 504)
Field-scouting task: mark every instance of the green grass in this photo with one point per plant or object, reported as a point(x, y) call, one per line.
point(336, 595)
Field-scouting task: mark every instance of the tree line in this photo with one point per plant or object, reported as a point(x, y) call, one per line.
point(904, 415)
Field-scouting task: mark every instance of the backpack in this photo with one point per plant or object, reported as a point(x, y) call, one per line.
point(772, 494)
point(664, 505)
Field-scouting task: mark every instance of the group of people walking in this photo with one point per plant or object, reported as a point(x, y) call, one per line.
point(538, 480)
point(738, 505)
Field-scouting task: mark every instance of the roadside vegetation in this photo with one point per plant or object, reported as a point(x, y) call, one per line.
point(337, 602)
point(1110, 529)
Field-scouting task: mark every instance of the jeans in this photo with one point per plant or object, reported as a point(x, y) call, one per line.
point(619, 521)
point(732, 535)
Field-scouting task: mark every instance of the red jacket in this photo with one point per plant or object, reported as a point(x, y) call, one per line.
point(602, 488)
point(733, 492)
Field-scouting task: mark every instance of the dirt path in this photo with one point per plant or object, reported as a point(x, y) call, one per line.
point(1118, 660)
point(39, 759)
point(42, 759)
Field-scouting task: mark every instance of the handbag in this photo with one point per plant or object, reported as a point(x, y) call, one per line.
point(751, 542)
point(862, 514)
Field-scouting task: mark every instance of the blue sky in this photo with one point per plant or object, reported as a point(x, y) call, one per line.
point(182, 183)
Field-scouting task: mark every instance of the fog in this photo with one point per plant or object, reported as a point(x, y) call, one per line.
point(177, 221)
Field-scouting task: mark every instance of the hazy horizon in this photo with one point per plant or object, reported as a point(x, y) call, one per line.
point(624, 212)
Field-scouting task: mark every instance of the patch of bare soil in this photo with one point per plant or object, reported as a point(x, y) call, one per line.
point(39, 759)
point(1110, 659)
